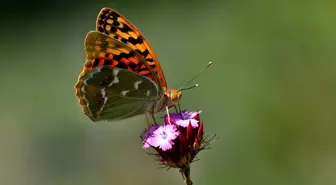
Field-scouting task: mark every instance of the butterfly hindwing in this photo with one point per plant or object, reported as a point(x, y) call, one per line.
point(118, 27)
point(112, 93)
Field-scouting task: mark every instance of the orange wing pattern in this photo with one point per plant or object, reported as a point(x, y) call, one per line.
point(103, 50)
point(116, 26)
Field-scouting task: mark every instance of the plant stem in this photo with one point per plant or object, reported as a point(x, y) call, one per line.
point(186, 175)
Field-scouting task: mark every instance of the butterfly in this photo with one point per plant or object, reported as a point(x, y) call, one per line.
point(122, 76)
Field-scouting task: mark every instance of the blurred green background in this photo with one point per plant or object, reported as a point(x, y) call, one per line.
point(269, 96)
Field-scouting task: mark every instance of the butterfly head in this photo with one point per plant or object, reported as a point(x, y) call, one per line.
point(173, 96)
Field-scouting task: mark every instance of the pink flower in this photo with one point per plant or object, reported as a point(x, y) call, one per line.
point(184, 118)
point(160, 136)
point(164, 136)
point(178, 141)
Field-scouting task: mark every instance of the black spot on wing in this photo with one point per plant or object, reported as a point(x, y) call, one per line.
point(106, 11)
point(108, 62)
point(136, 41)
point(117, 57)
point(113, 29)
point(115, 23)
point(144, 53)
point(123, 55)
point(125, 28)
point(122, 65)
point(123, 40)
point(101, 29)
point(102, 16)
point(114, 15)
point(100, 21)
point(132, 65)
point(95, 63)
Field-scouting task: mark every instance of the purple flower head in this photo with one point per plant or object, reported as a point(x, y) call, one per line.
point(178, 141)
point(184, 118)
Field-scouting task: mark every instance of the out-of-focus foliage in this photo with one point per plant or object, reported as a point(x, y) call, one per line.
point(269, 96)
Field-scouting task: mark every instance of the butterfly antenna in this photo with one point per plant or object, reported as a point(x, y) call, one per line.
point(192, 79)
point(187, 88)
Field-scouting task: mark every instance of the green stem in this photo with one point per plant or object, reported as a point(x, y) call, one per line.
point(186, 175)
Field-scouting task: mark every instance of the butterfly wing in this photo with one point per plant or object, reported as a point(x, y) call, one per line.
point(112, 93)
point(130, 93)
point(118, 27)
point(103, 50)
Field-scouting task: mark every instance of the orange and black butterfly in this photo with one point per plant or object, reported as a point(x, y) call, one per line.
point(122, 76)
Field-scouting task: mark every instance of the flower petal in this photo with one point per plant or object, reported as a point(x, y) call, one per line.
point(164, 135)
point(173, 118)
point(194, 114)
point(149, 142)
point(182, 123)
point(194, 123)
point(148, 133)
point(165, 145)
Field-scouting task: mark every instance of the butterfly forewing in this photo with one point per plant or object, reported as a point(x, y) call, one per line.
point(112, 93)
point(118, 27)
point(104, 50)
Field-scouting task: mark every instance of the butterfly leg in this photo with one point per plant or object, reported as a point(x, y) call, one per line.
point(153, 118)
point(177, 108)
point(147, 121)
